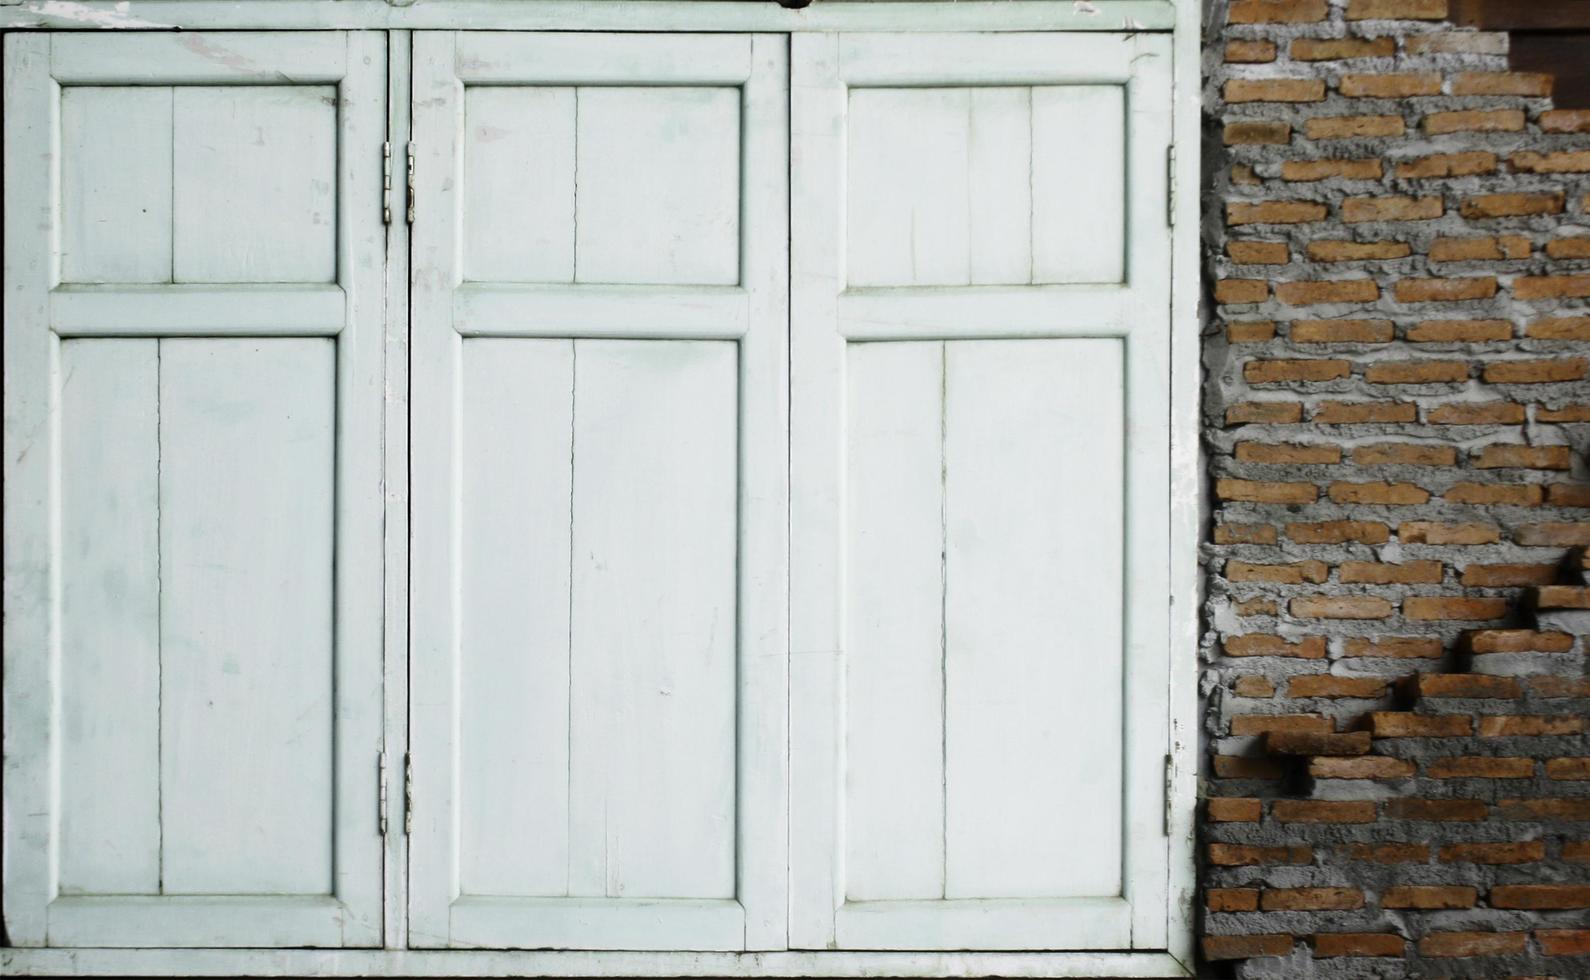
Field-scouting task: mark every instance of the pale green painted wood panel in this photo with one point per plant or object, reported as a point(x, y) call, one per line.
point(116, 184)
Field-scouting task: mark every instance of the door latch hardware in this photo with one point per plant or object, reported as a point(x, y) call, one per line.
point(386, 182)
point(381, 777)
point(411, 184)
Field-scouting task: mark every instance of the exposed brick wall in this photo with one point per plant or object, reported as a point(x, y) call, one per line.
point(1398, 418)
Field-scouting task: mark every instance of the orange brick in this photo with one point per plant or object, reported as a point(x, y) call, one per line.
point(1539, 809)
point(1233, 809)
point(1436, 532)
point(1327, 291)
point(1250, 331)
point(1396, 853)
point(1264, 645)
point(1276, 11)
point(1460, 331)
point(1445, 944)
point(1348, 413)
point(1295, 369)
point(1396, 647)
point(1560, 328)
point(1477, 413)
point(1263, 724)
point(1275, 90)
point(1568, 495)
point(1311, 899)
point(1337, 532)
point(1246, 947)
point(1515, 852)
point(1479, 249)
point(1386, 573)
point(1254, 686)
point(1324, 811)
point(1404, 453)
point(1456, 42)
point(1344, 492)
point(1553, 535)
point(1491, 494)
point(1501, 83)
point(1536, 372)
point(1391, 85)
point(1228, 291)
point(1561, 162)
point(1273, 212)
point(1576, 850)
point(1481, 767)
point(1445, 290)
point(1256, 132)
point(1576, 767)
point(1567, 413)
point(1245, 534)
point(1264, 413)
point(1265, 492)
point(1295, 573)
point(1565, 121)
point(1466, 164)
point(1339, 251)
point(1475, 121)
point(1335, 686)
point(1329, 944)
point(1341, 332)
point(1352, 127)
point(1340, 607)
point(1249, 52)
point(1310, 170)
point(1453, 607)
point(1575, 247)
point(1512, 205)
point(1416, 372)
point(1288, 452)
point(1564, 942)
point(1359, 767)
point(1429, 897)
point(1460, 686)
point(1538, 897)
point(1396, 9)
point(1436, 811)
point(1525, 457)
point(1551, 287)
point(1259, 253)
point(1232, 899)
point(1340, 49)
point(1507, 576)
point(1356, 210)
point(1518, 641)
point(1508, 726)
point(1406, 724)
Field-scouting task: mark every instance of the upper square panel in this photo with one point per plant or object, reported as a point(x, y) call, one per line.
point(977, 186)
point(602, 184)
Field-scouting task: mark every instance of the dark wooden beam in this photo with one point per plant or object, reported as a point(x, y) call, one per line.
point(1564, 55)
point(1523, 15)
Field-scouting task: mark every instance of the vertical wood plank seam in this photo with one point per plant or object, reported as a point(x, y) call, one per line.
point(568, 739)
point(944, 618)
point(160, 632)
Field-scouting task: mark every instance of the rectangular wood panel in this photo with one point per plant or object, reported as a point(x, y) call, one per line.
point(116, 184)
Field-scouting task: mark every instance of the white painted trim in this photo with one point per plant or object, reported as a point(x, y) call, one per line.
point(522, 963)
point(745, 16)
point(671, 312)
point(198, 311)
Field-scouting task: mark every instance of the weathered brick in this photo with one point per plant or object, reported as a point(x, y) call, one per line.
point(1324, 811)
point(1243, 855)
point(1446, 944)
point(1507, 575)
point(1330, 944)
point(1264, 724)
point(1510, 852)
point(1553, 534)
point(1275, 90)
point(1487, 249)
point(1564, 942)
point(1501, 83)
point(1470, 608)
point(1445, 290)
point(1294, 573)
point(1245, 947)
point(1391, 85)
point(1544, 371)
point(1253, 686)
point(1575, 767)
point(1394, 853)
point(1339, 251)
point(1276, 11)
point(1311, 899)
point(1228, 533)
point(1250, 52)
point(1387, 573)
point(1456, 42)
point(1436, 811)
point(1327, 291)
point(1511, 205)
point(1345, 492)
point(1404, 454)
point(1465, 164)
point(1233, 809)
point(1459, 331)
point(1232, 899)
point(1574, 247)
point(1543, 809)
point(1551, 287)
point(1406, 724)
point(1518, 641)
point(1525, 457)
point(1481, 767)
point(1462, 686)
point(1474, 121)
point(1287, 453)
point(1492, 494)
point(1565, 121)
point(1304, 171)
point(1348, 413)
point(1341, 331)
point(1259, 253)
point(1265, 645)
point(1266, 492)
point(1356, 210)
point(1352, 127)
point(1334, 686)
point(1244, 767)
point(1560, 162)
point(1273, 212)
point(1477, 413)
point(1336, 532)
point(1539, 897)
point(1257, 132)
point(1399, 647)
point(1429, 897)
point(1250, 331)
point(1264, 412)
point(1340, 607)
point(1341, 49)
point(1396, 9)
point(1568, 495)
point(1229, 291)
point(1416, 372)
point(1510, 726)
point(1443, 533)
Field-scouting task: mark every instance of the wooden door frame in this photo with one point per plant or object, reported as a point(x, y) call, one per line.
point(1179, 17)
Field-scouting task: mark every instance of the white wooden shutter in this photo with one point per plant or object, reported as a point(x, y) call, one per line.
point(193, 596)
point(599, 491)
point(980, 502)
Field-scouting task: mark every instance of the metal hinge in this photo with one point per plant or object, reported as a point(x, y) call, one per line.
point(411, 185)
point(381, 777)
point(1170, 783)
point(386, 182)
point(1170, 185)
point(408, 793)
